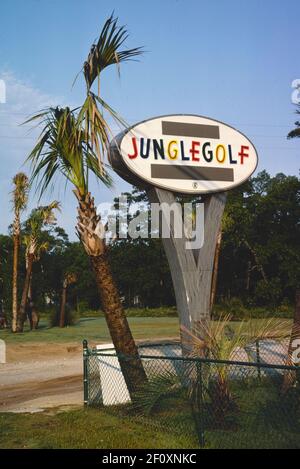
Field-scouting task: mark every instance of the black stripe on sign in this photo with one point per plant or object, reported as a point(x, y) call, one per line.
point(195, 173)
point(190, 130)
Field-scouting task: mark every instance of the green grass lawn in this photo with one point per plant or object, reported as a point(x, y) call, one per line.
point(261, 420)
point(94, 329)
point(84, 428)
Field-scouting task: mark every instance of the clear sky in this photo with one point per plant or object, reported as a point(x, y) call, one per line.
point(232, 60)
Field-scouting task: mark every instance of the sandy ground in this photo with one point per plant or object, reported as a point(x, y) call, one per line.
point(41, 376)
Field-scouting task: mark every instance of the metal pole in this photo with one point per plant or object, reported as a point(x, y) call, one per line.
point(258, 359)
point(85, 372)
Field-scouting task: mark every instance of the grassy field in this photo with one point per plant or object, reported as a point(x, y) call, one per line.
point(261, 421)
point(94, 329)
point(95, 428)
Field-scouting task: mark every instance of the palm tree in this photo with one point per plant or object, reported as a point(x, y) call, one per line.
point(69, 278)
point(20, 197)
point(74, 143)
point(35, 245)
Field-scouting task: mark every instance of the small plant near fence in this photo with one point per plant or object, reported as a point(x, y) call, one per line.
point(212, 402)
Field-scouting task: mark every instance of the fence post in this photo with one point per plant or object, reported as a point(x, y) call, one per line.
point(85, 372)
point(201, 435)
point(258, 359)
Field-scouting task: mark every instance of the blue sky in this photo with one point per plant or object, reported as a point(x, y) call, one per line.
point(231, 60)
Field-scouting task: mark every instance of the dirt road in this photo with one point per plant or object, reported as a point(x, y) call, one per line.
point(41, 376)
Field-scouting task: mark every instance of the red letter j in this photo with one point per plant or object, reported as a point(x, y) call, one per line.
point(135, 154)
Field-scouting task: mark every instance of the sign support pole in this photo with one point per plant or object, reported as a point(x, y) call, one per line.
point(192, 270)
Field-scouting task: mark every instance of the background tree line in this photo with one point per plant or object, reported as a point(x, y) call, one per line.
point(258, 266)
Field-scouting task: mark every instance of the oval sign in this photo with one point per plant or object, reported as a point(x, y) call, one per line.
point(184, 154)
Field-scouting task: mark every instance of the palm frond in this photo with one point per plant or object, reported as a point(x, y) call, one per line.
point(47, 214)
point(74, 142)
point(147, 399)
point(295, 133)
point(106, 51)
point(96, 128)
point(264, 329)
point(114, 114)
point(40, 217)
point(20, 192)
point(64, 148)
point(40, 248)
point(220, 341)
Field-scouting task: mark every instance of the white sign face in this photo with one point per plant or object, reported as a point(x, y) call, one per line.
point(188, 154)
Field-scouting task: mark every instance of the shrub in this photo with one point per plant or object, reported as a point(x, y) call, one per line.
point(162, 312)
point(71, 317)
point(268, 293)
point(239, 311)
point(82, 306)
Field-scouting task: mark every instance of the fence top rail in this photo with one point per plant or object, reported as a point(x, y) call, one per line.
point(104, 353)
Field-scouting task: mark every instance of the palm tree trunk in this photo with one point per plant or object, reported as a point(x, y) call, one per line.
point(16, 241)
point(117, 323)
point(63, 307)
point(90, 231)
point(34, 315)
point(3, 319)
point(29, 301)
point(24, 299)
point(216, 270)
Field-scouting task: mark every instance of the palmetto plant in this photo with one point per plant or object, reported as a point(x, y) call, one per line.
point(221, 342)
point(35, 245)
point(74, 143)
point(19, 200)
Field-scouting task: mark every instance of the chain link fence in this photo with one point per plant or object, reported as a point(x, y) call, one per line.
point(202, 402)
